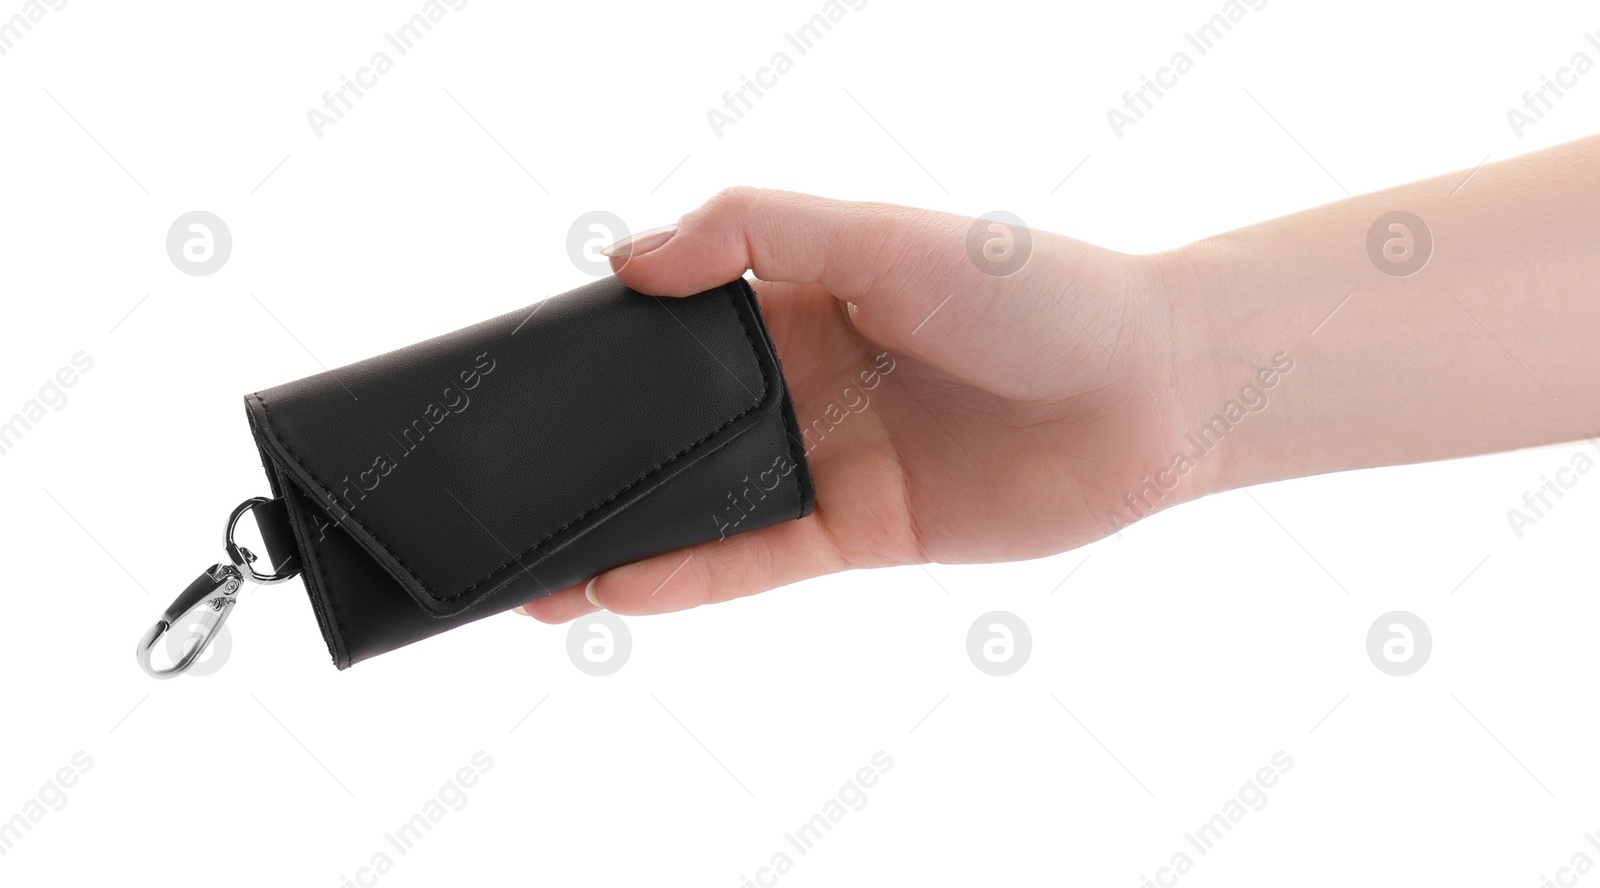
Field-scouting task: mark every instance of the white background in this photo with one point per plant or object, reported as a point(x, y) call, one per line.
point(1170, 666)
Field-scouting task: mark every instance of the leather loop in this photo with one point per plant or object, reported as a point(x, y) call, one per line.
point(272, 518)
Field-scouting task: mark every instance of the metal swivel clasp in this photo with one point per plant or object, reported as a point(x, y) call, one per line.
point(206, 603)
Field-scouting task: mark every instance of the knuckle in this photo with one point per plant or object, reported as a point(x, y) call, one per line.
point(762, 564)
point(733, 199)
point(704, 576)
point(742, 567)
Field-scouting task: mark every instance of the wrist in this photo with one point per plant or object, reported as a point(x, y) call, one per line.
point(1234, 363)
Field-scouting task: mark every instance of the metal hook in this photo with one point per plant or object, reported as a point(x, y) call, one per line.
point(207, 601)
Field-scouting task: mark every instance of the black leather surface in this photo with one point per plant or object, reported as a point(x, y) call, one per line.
point(465, 475)
point(283, 554)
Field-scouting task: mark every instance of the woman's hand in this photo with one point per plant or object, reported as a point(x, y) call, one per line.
point(1031, 410)
point(967, 396)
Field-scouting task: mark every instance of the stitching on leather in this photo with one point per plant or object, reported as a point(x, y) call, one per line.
point(334, 620)
point(761, 396)
point(744, 325)
point(799, 465)
point(797, 455)
point(786, 412)
point(327, 617)
point(267, 413)
point(799, 491)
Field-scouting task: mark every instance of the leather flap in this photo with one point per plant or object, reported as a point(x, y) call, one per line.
point(458, 462)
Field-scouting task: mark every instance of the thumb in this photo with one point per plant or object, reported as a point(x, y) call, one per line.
point(859, 252)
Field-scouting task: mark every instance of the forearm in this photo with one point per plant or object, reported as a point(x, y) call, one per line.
point(1494, 344)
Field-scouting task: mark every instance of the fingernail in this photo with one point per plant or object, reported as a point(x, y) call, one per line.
point(521, 609)
point(641, 243)
point(588, 592)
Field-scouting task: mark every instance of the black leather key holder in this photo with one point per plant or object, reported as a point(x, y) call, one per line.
point(453, 479)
